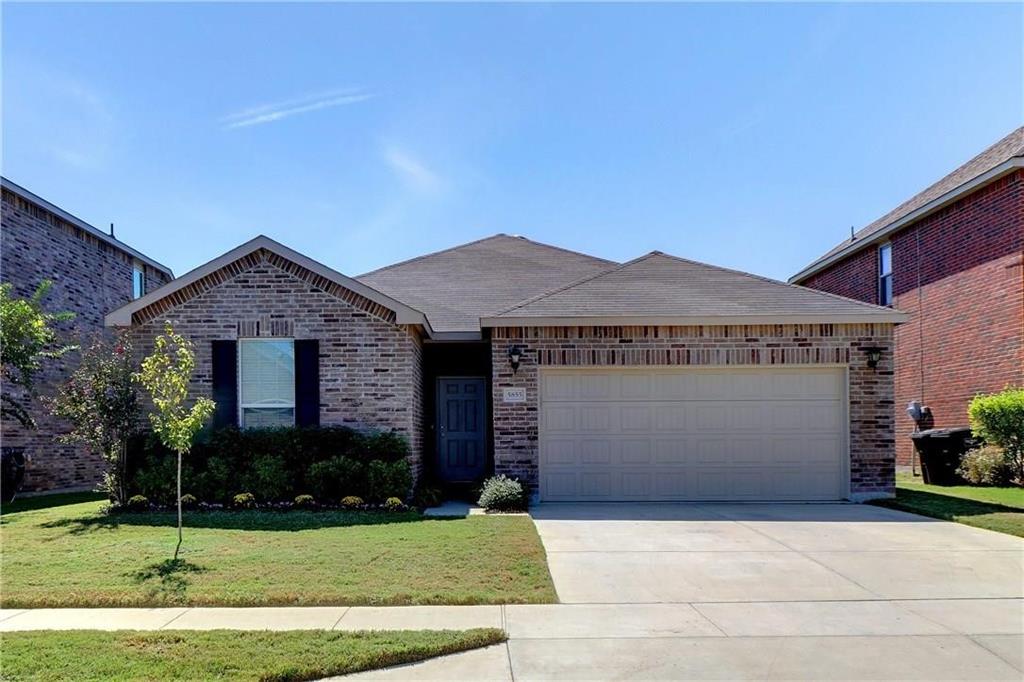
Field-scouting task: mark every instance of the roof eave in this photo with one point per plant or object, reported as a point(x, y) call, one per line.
point(979, 181)
point(881, 317)
point(84, 226)
point(122, 317)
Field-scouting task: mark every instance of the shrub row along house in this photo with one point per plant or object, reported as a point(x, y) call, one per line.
point(92, 273)
point(952, 258)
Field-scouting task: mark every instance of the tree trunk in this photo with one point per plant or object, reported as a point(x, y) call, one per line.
point(178, 547)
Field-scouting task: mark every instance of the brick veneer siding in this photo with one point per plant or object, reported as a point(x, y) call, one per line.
point(90, 278)
point(516, 425)
point(971, 337)
point(370, 368)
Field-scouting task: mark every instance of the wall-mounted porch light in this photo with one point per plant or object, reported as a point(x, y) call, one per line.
point(874, 354)
point(515, 354)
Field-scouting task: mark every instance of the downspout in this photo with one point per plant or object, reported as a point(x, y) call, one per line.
point(920, 342)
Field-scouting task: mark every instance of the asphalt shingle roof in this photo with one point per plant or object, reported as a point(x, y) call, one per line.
point(662, 286)
point(456, 287)
point(1005, 149)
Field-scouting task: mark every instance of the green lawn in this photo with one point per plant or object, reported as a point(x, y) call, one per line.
point(999, 509)
point(222, 654)
point(74, 555)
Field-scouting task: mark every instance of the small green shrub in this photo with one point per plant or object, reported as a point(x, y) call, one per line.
point(331, 478)
point(393, 504)
point(189, 501)
point(428, 496)
point(987, 465)
point(138, 503)
point(999, 420)
point(269, 478)
point(501, 493)
point(305, 502)
point(244, 501)
point(388, 479)
point(352, 502)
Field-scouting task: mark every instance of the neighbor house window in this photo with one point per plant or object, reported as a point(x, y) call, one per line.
point(138, 281)
point(266, 382)
point(885, 274)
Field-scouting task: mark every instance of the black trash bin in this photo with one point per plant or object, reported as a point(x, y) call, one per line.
point(12, 471)
point(940, 452)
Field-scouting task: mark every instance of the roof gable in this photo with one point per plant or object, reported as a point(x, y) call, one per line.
point(999, 159)
point(663, 289)
point(458, 286)
point(251, 253)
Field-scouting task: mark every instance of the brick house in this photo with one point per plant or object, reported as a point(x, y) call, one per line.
point(951, 258)
point(92, 273)
point(656, 379)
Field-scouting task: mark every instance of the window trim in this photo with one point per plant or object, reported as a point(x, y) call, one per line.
point(238, 378)
point(883, 276)
point(139, 268)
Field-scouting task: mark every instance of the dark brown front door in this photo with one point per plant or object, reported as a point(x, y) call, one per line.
point(461, 432)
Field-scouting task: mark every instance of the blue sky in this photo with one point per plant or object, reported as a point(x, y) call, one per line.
point(750, 136)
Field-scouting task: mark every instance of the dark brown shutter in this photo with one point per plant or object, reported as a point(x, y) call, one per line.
point(307, 382)
point(225, 383)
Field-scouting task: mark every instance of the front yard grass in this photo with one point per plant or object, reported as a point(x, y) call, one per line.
point(222, 654)
point(74, 555)
point(998, 509)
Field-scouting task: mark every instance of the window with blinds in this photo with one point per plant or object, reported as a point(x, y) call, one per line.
point(266, 382)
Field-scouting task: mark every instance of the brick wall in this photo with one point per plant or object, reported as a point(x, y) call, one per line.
point(90, 278)
point(971, 338)
point(871, 390)
point(370, 368)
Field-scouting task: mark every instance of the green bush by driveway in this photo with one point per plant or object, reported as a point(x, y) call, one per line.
point(74, 555)
point(222, 654)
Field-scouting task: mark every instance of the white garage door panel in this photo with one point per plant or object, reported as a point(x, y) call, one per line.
point(693, 434)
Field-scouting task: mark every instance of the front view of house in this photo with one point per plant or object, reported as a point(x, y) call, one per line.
point(656, 379)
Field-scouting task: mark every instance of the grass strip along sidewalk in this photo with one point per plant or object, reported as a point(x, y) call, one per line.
point(222, 654)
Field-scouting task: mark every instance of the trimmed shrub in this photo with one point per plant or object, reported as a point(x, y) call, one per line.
point(244, 501)
point(428, 496)
point(393, 504)
point(189, 501)
point(275, 464)
point(501, 493)
point(999, 420)
point(388, 479)
point(138, 503)
point(305, 502)
point(352, 502)
point(987, 465)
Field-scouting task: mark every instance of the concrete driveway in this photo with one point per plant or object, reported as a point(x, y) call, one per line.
point(766, 591)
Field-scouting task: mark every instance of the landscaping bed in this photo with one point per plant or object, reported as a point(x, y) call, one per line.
point(222, 654)
point(77, 555)
point(998, 509)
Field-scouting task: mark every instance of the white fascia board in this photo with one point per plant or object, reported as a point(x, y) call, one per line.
point(892, 317)
point(403, 314)
point(933, 205)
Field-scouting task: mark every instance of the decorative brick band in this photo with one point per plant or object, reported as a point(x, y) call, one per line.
point(247, 262)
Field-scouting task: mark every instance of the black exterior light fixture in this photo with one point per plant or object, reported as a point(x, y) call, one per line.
point(874, 354)
point(515, 354)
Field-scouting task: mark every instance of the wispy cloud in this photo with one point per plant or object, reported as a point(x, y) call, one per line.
point(276, 111)
point(412, 171)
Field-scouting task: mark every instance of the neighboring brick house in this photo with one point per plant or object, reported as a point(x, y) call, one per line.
point(951, 258)
point(657, 379)
point(92, 273)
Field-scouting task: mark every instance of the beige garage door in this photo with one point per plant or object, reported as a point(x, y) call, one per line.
point(693, 434)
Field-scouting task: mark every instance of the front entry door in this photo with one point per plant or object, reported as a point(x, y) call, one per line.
point(461, 435)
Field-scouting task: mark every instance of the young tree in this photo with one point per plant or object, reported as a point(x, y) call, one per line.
point(166, 375)
point(100, 402)
point(27, 337)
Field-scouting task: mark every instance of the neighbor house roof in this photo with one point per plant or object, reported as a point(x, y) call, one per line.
point(1003, 157)
point(189, 284)
point(82, 225)
point(458, 286)
point(663, 289)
